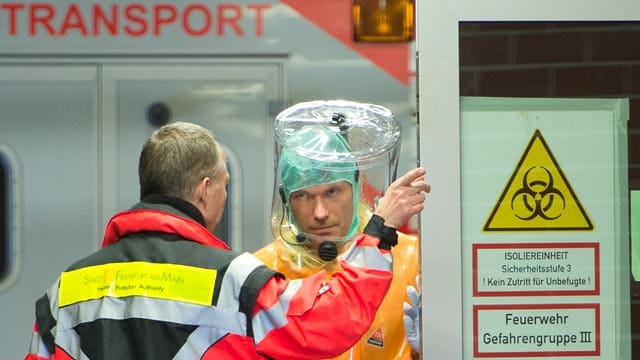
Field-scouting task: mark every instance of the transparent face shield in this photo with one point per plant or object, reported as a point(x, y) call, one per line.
point(334, 159)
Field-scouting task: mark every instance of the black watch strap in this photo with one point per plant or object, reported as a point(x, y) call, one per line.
point(387, 235)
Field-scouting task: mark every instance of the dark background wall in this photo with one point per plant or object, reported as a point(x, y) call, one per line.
point(559, 59)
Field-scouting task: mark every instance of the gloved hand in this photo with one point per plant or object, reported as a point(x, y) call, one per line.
point(411, 317)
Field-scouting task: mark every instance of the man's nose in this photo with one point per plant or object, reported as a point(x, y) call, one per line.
point(320, 211)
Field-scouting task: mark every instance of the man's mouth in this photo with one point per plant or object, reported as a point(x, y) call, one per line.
point(322, 231)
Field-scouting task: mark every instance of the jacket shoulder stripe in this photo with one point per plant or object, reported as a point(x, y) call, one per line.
point(237, 273)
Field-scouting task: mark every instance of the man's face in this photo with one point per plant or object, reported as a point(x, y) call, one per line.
point(325, 210)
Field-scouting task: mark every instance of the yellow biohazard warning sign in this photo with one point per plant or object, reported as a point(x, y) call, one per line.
point(538, 197)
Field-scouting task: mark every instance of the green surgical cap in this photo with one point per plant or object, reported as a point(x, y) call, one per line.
point(314, 155)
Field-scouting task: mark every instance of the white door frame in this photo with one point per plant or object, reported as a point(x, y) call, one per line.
point(439, 133)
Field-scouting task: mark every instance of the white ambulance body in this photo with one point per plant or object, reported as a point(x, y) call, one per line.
point(82, 85)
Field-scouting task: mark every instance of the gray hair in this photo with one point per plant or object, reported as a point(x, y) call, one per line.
point(176, 157)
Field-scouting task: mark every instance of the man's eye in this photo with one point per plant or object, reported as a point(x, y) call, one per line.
point(298, 196)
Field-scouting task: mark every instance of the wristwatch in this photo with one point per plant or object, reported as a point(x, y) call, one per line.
point(387, 235)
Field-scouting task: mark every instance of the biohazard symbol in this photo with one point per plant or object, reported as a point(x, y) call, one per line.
point(538, 196)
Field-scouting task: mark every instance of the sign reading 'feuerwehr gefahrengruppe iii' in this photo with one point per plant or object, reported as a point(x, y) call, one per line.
point(539, 228)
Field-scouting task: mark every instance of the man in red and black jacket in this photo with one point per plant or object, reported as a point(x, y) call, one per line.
point(164, 287)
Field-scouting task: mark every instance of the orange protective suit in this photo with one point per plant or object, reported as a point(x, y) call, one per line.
point(385, 339)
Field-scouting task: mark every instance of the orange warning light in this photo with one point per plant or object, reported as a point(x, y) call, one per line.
point(383, 20)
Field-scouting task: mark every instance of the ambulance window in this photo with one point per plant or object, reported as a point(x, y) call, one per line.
point(228, 229)
point(10, 212)
point(4, 241)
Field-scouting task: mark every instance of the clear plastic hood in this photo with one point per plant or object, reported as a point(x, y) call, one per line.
point(322, 145)
point(370, 130)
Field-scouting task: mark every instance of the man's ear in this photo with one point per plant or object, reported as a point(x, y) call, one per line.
point(201, 191)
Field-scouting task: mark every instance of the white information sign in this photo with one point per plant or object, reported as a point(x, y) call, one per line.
point(536, 269)
point(544, 234)
point(536, 330)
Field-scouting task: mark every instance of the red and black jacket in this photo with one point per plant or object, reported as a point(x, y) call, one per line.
point(164, 287)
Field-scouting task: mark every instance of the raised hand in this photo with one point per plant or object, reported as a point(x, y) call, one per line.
point(404, 198)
